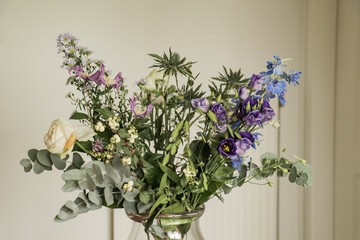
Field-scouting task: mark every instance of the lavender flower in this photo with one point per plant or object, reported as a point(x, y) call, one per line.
point(242, 145)
point(202, 103)
point(254, 118)
point(267, 112)
point(140, 111)
point(256, 82)
point(243, 93)
point(219, 111)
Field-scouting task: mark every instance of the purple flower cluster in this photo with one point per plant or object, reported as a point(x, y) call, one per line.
point(99, 77)
point(233, 147)
point(253, 113)
point(140, 111)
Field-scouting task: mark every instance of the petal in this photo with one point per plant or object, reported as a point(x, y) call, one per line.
point(84, 133)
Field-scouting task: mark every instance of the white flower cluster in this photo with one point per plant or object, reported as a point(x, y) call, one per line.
point(99, 127)
point(115, 139)
point(126, 160)
point(128, 186)
point(133, 135)
point(189, 172)
point(113, 123)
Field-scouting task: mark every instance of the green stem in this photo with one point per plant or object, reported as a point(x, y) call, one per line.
point(81, 147)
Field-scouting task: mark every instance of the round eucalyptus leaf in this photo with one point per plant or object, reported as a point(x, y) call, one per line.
point(108, 193)
point(44, 157)
point(57, 161)
point(32, 154)
point(26, 163)
point(38, 168)
point(77, 160)
point(293, 175)
point(94, 197)
point(303, 179)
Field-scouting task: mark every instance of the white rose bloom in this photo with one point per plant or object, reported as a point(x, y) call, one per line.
point(62, 135)
point(150, 81)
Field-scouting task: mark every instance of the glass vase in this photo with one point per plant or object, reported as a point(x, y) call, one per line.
point(177, 226)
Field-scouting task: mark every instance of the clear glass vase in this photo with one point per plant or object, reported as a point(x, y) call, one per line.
point(177, 226)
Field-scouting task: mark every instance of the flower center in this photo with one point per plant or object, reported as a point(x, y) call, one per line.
point(226, 148)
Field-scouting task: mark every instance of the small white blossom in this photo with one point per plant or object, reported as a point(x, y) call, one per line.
point(115, 139)
point(128, 186)
point(113, 124)
point(99, 127)
point(133, 135)
point(126, 160)
point(189, 172)
point(70, 63)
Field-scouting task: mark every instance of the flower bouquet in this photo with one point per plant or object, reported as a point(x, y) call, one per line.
point(141, 153)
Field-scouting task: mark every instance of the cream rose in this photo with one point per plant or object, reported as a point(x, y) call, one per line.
point(62, 135)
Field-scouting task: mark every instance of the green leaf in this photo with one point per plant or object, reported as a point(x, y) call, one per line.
point(161, 200)
point(255, 171)
point(90, 182)
point(141, 207)
point(43, 157)
point(224, 173)
point(303, 179)
point(152, 176)
point(32, 154)
point(77, 160)
point(98, 173)
point(73, 174)
point(38, 168)
point(72, 206)
point(172, 175)
point(57, 161)
point(94, 197)
point(163, 182)
point(144, 197)
point(108, 194)
point(293, 175)
point(26, 163)
point(70, 186)
point(166, 159)
point(123, 133)
point(105, 112)
point(175, 208)
point(79, 116)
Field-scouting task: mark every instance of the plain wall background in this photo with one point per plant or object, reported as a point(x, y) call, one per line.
point(214, 33)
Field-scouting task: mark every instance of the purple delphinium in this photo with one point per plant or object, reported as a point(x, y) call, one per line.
point(138, 111)
point(243, 93)
point(98, 146)
point(256, 82)
point(202, 103)
point(219, 111)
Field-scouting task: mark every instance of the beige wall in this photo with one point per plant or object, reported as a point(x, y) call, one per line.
point(242, 33)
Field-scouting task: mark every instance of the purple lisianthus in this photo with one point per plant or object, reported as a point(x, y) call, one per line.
point(256, 82)
point(219, 111)
point(227, 147)
point(243, 93)
point(248, 103)
point(98, 146)
point(202, 103)
point(140, 111)
point(247, 135)
point(267, 112)
point(221, 128)
point(242, 145)
point(253, 118)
